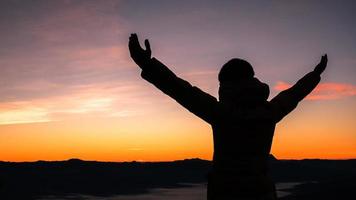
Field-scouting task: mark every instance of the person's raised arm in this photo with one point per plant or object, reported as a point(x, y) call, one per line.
point(192, 98)
point(288, 99)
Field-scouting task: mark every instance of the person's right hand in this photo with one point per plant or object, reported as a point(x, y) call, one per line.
point(138, 54)
point(322, 65)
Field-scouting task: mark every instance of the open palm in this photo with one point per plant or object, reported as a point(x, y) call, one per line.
point(138, 54)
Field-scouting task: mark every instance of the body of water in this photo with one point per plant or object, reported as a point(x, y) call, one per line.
point(194, 192)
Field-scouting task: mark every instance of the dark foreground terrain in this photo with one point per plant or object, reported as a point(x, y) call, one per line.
point(323, 179)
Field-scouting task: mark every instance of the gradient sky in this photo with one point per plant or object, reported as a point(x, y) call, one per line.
point(69, 89)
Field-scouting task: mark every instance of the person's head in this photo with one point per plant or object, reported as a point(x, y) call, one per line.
point(238, 84)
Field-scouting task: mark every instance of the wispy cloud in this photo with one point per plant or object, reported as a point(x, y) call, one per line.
point(325, 91)
point(98, 100)
point(24, 115)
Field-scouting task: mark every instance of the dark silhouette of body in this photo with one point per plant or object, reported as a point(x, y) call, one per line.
point(243, 121)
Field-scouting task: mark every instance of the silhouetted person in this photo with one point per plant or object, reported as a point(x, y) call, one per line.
point(243, 121)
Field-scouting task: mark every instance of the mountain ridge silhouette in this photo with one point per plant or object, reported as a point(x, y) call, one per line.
point(31, 180)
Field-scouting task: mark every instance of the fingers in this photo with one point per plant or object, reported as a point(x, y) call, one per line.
point(322, 64)
point(133, 37)
point(133, 40)
point(324, 59)
point(148, 46)
point(134, 44)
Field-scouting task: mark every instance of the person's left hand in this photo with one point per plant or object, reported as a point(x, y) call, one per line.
point(322, 65)
point(138, 54)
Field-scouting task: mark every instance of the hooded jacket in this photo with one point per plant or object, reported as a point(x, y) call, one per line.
point(243, 127)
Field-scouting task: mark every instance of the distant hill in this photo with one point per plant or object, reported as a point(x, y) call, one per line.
point(28, 180)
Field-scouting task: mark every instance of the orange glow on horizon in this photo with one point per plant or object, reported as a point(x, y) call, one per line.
point(117, 139)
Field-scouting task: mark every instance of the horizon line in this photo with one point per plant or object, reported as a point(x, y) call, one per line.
point(163, 161)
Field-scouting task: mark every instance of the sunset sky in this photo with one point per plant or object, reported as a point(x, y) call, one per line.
point(68, 88)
